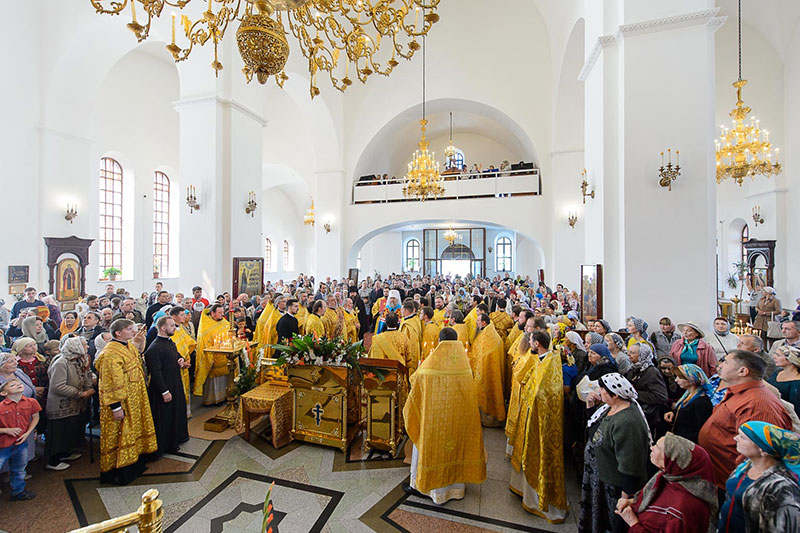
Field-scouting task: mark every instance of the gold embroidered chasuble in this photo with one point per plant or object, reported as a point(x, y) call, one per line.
point(331, 320)
point(185, 345)
point(412, 328)
point(121, 379)
point(438, 317)
point(430, 339)
point(269, 335)
point(520, 370)
point(488, 361)
point(502, 323)
point(471, 320)
point(301, 316)
point(541, 422)
point(314, 326)
point(513, 334)
point(391, 344)
point(350, 326)
point(442, 419)
point(463, 335)
point(209, 365)
point(262, 322)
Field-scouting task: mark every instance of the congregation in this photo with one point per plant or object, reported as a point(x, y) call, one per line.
point(685, 428)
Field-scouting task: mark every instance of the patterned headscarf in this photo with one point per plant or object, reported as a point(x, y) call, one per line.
point(618, 341)
point(781, 444)
point(791, 353)
point(605, 324)
point(645, 357)
point(595, 338)
point(695, 375)
point(640, 325)
point(622, 388)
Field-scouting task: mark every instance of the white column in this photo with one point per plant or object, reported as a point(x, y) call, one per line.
point(328, 197)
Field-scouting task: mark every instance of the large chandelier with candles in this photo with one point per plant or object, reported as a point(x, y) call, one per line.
point(370, 35)
point(451, 236)
point(744, 150)
point(423, 178)
point(310, 218)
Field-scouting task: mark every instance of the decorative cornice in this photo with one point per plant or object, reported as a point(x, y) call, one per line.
point(224, 102)
point(708, 17)
point(65, 135)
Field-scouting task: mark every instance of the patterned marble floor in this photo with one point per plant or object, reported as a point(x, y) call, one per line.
point(219, 486)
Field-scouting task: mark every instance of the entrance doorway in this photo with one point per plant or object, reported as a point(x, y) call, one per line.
point(456, 267)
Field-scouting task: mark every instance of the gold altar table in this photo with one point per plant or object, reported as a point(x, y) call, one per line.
point(326, 407)
point(385, 400)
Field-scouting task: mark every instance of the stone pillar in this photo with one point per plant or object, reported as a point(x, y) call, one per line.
point(650, 86)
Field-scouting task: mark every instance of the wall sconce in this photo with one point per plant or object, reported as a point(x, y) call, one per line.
point(584, 186)
point(572, 219)
point(251, 207)
point(757, 218)
point(72, 212)
point(668, 174)
point(327, 224)
point(191, 199)
point(490, 248)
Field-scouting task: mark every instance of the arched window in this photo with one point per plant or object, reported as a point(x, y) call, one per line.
point(503, 257)
point(455, 161)
point(268, 255)
point(358, 260)
point(160, 224)
point(412, 255)
point(744, 239)
point(110, 215)
point(287, 257)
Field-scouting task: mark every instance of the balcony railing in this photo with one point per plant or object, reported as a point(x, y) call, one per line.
point(485, 184)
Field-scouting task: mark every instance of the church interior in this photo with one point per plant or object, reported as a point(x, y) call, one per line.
point(155, 145)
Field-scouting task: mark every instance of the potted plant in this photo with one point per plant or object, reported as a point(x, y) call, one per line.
point(111, 273)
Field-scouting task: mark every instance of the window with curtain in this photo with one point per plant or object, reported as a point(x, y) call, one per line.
point(110, 215)
point(744, 239)
point(412, 255)
point(503, 257)
point(287, 256)
point(268, 255)
point(160, 224)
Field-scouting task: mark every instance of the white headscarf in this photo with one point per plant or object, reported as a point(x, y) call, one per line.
point(575, 339)
point(621, 387)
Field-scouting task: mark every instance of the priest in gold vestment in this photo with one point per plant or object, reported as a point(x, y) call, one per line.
point(185, 345)
point(411, 326)
point(302, 312)
point(268, 334)
point(502, 321)
point(392, 343)
point(538, 460)
point(127, 434)
point(314, 325)
point(261, 323)
point(457, 323)
point(519, 370)
point(487, 360)
point(211, 370)
point(439, 312)
point(430, 332)
point(448, 442)
point(333, 318)
point(351, 323)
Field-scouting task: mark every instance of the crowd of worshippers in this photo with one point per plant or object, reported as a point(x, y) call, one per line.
point(715, 414)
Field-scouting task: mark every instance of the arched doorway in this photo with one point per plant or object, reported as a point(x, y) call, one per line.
point(457, 260)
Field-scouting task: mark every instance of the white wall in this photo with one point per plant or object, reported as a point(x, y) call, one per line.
point(382, 254)
point(281, 221)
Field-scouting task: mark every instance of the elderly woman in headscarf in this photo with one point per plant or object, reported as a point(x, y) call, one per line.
point(787, 378)
point(766, 309)
point(616, 346)
point(615, 460)
point(68, 403)
point(681, 497)
point(10, 369)
point(30, 361)
point(574, 345)
point(649, 384)
point(694, 407)
point(592, 338)
point(638, 332)
point(602, 327)
point(33, 327)
point(763, 492)
point(692, 349)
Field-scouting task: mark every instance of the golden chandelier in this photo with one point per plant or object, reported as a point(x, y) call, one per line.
point(451, 236)
point(310, 218)
point(745, 150)
point(423, 178)
point(331, 34)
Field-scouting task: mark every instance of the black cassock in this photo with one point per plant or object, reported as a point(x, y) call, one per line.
point(169, 418)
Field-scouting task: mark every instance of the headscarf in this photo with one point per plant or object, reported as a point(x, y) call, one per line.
point(602, 351)
point(20, 345)
point(622, 388)
point(640, 325)
point(158, 315)
point(72, 350)
point(645, 357)
point(100, 343)
point(6, 357)
point(791, 353)
point(575, 339)
point(595, 338)
point(618, 340)
point(695, 375)
point(29, 330)
point(65, 330)
point(688, 466)
point(780, 443)
point(605, 324)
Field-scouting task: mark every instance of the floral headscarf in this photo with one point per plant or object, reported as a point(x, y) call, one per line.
point(645, 357)
point(695, 375)
point(780, 443)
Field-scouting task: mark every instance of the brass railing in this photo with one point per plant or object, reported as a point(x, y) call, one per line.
point(147, 518)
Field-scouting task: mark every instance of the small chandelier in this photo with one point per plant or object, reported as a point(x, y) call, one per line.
point(310, 217)
point(451, 150)
point(745, 150)
point(331, 34)
point(451, 236)
point(423, 178)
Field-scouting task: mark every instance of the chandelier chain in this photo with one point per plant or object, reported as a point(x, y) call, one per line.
point(423, 77)
point(740, 40)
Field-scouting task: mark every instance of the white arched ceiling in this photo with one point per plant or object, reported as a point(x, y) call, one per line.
point(774, 20)
point(287, 180)
point(392, 145)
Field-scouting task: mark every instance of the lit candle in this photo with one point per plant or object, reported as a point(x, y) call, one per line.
point(662, 159)
point(678, 155)
point(173, 28)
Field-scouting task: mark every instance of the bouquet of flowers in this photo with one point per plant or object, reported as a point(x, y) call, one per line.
point(321, 351)
point(246, 380)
